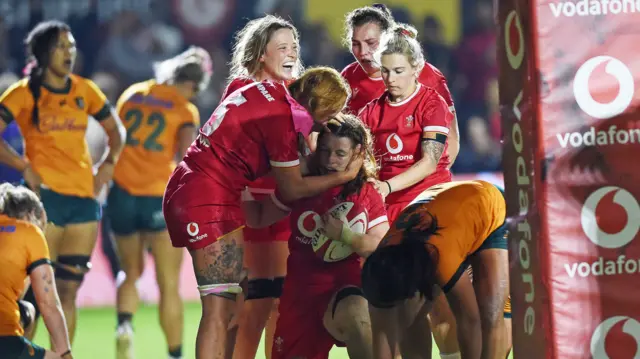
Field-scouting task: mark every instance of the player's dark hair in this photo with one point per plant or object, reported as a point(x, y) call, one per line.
point(251, 43)
point(20, 202)
point(377, 13)
point(400, 271)
point(352, 128)
point(40, 43)
point(193, 65)
point(321, 90)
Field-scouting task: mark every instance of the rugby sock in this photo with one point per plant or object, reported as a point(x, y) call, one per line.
point(176, 352)
point(124, 317)
point(450, 356)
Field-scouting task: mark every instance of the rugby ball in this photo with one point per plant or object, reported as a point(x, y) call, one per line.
point(334, 251)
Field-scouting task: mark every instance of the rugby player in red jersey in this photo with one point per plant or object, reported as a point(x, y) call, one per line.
point(253, 131)
point(322, 303)
point(410, 123)
point(266, 49)
point(365, 27)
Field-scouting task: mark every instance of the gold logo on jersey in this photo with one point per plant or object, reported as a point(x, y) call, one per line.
point(80, 102)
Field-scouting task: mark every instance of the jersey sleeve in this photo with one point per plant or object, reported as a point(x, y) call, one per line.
point(366, 114)
point(281, 142)
point(191, 117)
point(451, 261)
point(99, 106)
point(435, 118)
point(443, 90)
point(234, 85)
point(375, 207)
point(38, 251)
point(14, 101)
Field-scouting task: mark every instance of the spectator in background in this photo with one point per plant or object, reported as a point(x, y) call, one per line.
point(108, 84)
point(436, 51)
point(11, 134)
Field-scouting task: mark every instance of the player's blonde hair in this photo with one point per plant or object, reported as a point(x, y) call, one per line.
point(321, 90)
point(251, 43)
point(401, 39)
point(192, 65)
point(19, 202)
point(377, 14)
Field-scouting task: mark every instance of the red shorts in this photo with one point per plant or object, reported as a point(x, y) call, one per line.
point(300, 331)
point(193, 220)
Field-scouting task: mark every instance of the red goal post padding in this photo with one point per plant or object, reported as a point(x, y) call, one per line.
point(569, 78)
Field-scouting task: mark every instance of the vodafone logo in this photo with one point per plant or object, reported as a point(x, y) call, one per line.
point(193, 229)
point(584, 97)
point(394, 144)
point(514, 40)
point(599, 337)
point(626, 213)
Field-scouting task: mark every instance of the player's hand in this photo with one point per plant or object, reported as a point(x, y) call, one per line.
point(354, 166)
point(332, 227)
point(32, 178)
point(104, 175)
point(382, 187)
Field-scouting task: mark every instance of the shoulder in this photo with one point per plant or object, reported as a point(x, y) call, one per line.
point(431, 72)
point(137, 88)
point(351, 70)
point(238, 83)
point(18, 87)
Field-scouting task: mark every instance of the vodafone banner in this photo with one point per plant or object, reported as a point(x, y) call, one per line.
point(569, 82)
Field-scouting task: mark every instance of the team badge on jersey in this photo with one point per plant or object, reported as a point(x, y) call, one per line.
point(408, 122)
point(80, 102)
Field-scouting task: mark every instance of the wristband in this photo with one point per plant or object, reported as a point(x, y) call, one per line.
point(388, 185)
point(346, 236)
point(65, 353)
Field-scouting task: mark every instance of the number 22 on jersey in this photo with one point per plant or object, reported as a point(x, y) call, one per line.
point(154, 123)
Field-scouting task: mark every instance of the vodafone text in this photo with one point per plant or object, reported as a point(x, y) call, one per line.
point(522, 236)
point(594, 7)
point(604, 267)
point(399, 158)
point(591, 137)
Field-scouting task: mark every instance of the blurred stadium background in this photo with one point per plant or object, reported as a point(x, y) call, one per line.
point(118, 40)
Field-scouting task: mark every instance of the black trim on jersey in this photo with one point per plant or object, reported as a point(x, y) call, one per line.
point(438, 137)
point(6, 114)
point(461, 269)
point(63, 91)
point(104, 112)
point(37, 263)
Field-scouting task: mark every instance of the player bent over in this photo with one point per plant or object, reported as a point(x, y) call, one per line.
point(322, 303)
point(24, 253)
point(448, 227)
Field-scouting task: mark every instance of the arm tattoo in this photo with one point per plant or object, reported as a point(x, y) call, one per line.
point(433, 150)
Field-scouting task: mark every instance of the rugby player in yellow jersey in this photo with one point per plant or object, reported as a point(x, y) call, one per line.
point(52, 108)
point(161, 124)
point(24, 254)
point(425, 254)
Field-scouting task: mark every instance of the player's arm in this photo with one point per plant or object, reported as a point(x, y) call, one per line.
point(44, 288)
point(453, 140)
point(108, 118)
point(12, 103)
point(462, 299)
point(434, 138)
point(263, 213)
point(187, 132)
point(385, 330)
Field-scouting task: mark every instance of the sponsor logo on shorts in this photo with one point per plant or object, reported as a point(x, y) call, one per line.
point(625, 89)
point(593, 7)
point(193, 230)
point(610, 218)
point(628, 327)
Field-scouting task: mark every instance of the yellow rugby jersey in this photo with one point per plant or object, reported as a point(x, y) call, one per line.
point(153, 115)
point(57, 149)
point(22, 248)
point(467, 212)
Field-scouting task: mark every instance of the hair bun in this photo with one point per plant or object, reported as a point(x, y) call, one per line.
point(406, 31)
point(383, 8)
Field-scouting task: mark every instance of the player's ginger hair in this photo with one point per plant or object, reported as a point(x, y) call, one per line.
point(321, 90)
point(251, 43)
point(401, 39)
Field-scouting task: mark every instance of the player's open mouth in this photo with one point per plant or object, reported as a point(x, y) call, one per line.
point(68, 63)
point(288, 65)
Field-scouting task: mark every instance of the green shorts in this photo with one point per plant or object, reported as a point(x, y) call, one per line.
point(129, 214)
point(14, 347)
point(63, 209)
